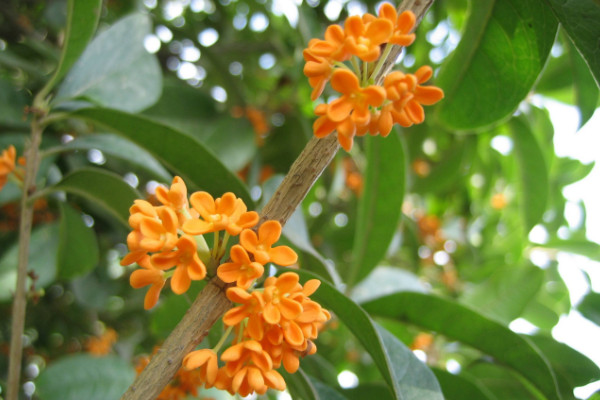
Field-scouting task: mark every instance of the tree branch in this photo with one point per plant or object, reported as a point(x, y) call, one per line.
point(212, 303)
point(20, 301)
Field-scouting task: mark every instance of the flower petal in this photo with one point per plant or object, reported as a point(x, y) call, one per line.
point(283, 255)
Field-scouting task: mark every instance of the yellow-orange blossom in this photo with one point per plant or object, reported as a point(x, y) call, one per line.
point(363, 106)
point(274, 324)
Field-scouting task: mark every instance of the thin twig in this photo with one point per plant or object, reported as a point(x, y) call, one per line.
point(20, 300)
point(212, 303)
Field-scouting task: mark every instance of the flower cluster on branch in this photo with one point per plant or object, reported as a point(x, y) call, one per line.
point(350, 59)
point(274, 321)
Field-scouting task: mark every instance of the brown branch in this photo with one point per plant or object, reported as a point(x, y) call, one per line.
point(20, 301)
point(211, 303)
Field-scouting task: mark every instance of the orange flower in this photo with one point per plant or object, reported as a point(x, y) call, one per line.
point(250, 368)
point(407, 96)
point(176, 198)
point(225, 213)
point(251, 306)
point(260, 245)
point(189, 265)
point(101, 345)
point(355, 101)
point(363, 39)
point(206, 360)
point(402, 24)
point(150, 234)
point(241, 270)
point(7, 164)
point(277, 301)
point(151, 276)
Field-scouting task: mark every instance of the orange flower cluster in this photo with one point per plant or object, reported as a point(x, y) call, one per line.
point(364, 106)
point(8, 166)
point(170, 236)
point(274, 325)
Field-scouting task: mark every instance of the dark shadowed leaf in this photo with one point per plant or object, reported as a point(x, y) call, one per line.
point(82, 20)
point(115, 70)
point(504, 48)
point(533, 172)
point(78, 249)
point(106, 189)
point(82, 376)
point(379, 206)
point(451, 319)
point(181, 153)
point(580, 20)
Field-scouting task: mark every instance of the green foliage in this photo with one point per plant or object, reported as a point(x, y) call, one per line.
point(378, 209)
point(506, 47)
point(430, 239)
point(89, 377)
point(115, 70)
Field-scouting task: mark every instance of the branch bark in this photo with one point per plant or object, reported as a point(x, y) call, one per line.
point(20, 301)
point(212, 303)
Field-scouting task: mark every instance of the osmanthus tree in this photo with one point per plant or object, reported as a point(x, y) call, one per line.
point(207, 199)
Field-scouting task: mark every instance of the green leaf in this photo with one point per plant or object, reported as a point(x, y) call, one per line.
point(299, 385)
point(42, 261)
point(77, 249)
point(572, 368)
point(407, 377)
point(82, 20)
point(584, 248)
point(115, 70)
point(412, 379)
point(326, 392)
point(502, 382)
point(304, 387)
point(589, 307)
point(119, 147)
point(580, 20)
point(586, 90)
point(533, 172)
point(104, 188)
point(181, 153)
point(505, 294)
point(504, 48)
point(385, 280)
point(469, 327)
point(368, 391)
point(82, 376)
point(379, 206)
point(459, 387)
